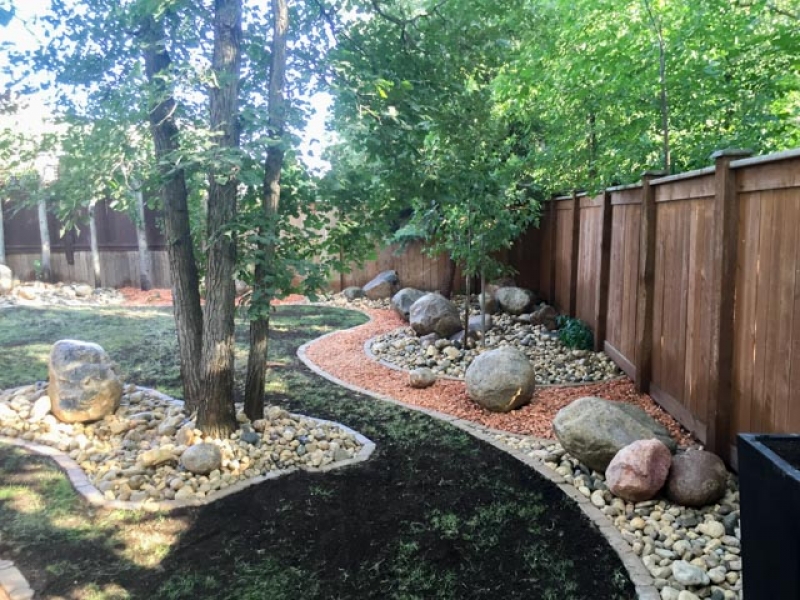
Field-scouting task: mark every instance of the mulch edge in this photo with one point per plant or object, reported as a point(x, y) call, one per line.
point(639, 575)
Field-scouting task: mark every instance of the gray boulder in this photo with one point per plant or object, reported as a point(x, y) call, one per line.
point(593, 430)
point(513, 300)
point(84, 383)
point(433, 313)
point(402, 301)
point(697, 478)
point(352, 293)
point(201, 459)
point(421, 378)
point(383, 286)
point(476, 323)
point(6, 279)
point(546, 315)
point(500, 380)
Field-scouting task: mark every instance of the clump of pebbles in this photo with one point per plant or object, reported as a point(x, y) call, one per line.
point(690, 552)
point(135, 454)
point(553, 362)
point(363, 302)
point(37, 293)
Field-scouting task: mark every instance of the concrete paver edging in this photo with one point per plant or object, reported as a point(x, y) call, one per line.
point(637, 572)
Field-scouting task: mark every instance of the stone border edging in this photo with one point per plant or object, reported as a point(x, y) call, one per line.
point(637, 572)
point(13, 583)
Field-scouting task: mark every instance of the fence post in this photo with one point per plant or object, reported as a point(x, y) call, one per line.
point(601, 299)
point(644, 297)
point(553, 248)
point(726, 230)
point(574, 254)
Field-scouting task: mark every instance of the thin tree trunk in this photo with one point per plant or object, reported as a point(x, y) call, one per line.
point(145, 259)
point(259, 326)
point(466, 309)
point(182, 265)
point(95, 250)
point(216, 416)
point(2, 236)
point(483, 309)
point(662, 79)
point(44, 235)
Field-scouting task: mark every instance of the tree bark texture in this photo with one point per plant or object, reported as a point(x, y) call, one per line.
point(145, 259)
point(95, 249)
point(182, 265)
point(216, 416)
point(44, 236)
point(2, 236)
point(259, 327)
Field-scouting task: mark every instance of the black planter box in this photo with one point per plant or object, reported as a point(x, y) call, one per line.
point(769, 486)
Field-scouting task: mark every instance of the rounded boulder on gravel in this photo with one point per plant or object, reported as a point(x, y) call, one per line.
point(201, 459)
point(501, 380)
point(433, 313)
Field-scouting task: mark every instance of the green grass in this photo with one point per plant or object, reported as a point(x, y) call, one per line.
point(433, 515)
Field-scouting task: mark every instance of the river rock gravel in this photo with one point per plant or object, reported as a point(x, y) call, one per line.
point(687, 550)
point(37, 293)
point(135, 454)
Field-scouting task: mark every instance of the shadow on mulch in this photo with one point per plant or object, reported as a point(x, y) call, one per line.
point(433, 514)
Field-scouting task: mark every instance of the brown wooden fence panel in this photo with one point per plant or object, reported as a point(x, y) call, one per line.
point(681, 315)
point(563, 254)
point(591, 229)
point(623, 278)
point(766, 371)
point(414, 269)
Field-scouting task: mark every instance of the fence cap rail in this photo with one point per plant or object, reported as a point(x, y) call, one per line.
point(622, 188)
point(767, 158)
point(681, 176)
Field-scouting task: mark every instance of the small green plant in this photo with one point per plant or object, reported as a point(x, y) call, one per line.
point(574, 333)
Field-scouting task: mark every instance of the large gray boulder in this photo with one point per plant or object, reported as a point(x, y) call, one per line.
point(593, 430)
point(513, 300)
point(402, 301)
point(433, 313)
point(500, 380)
point(84, 383)
point(352, 293)
point(201, 459)
point(384, 285)
point(6, 279)
point(697, 478)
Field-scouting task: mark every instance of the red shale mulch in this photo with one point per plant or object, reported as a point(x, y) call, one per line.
point(342, 355)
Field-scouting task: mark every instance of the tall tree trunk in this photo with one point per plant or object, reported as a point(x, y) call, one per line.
point(145, 260)
point(259, 326)
point(182, 265)
point(216, 416)
point(2, 236)
point(44, 236)
point(95, 250)
point(662, 80)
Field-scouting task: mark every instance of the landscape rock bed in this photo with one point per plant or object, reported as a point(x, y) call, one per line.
point(553, 362)
point(690, 552)
point(37, 293)
point(134, 454)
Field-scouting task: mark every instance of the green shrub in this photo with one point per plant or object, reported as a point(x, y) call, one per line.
point(574, 333)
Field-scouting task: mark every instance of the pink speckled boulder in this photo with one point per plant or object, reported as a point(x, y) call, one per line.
point(639, 470)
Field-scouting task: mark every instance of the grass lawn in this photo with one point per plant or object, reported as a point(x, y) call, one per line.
point(434, 514)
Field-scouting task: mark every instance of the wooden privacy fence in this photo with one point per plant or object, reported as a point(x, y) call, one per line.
point(691, 284)
point(70, 251)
